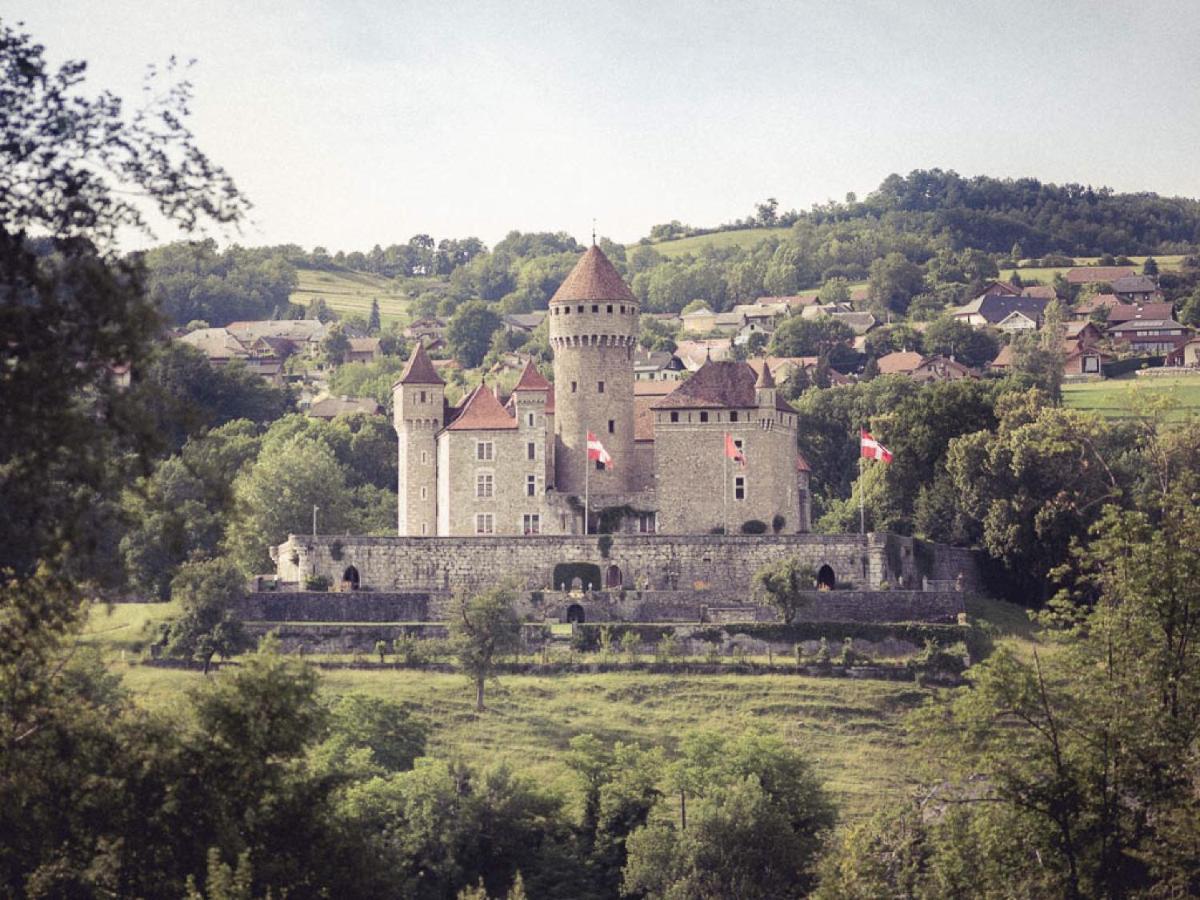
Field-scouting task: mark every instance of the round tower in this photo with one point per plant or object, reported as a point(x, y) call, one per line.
point(593, 330)
point(418, 406)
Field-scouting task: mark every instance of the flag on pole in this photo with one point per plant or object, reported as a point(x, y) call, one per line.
point(596, 451)
point(872, 449)
point(733, 451)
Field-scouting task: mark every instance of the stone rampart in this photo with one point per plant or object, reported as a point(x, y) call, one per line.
point(356, 606)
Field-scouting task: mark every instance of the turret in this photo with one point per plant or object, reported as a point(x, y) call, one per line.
point(593, 330)
point(418, 402)
point(765, 392)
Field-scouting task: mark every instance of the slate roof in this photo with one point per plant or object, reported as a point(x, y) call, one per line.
point(1146, 325)
point(481, 411)
point(420, 369)
point(1092, 274)
point(593, 278)
point(726, 384)
point(765, 378)
point(524, 321)
point(364, 345)
point(995, 309)
point(1126, 312)
point(299, 330)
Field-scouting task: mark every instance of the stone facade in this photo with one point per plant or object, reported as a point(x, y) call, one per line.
point(723, 565)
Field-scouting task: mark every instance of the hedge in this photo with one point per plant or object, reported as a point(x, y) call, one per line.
point(587, 636)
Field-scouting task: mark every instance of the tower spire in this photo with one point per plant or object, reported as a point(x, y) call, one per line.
point(593, 231)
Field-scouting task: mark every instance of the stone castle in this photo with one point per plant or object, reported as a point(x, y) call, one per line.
point(715, 456)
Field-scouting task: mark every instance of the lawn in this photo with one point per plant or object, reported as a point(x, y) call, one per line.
point(351, 293)
point(853, 730)
point(746, 238)
point(1046, 276)
point(1120, 398)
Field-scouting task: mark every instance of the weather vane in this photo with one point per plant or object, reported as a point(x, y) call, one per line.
point(593, 232)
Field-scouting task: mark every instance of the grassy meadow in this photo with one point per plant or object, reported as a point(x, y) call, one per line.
point(351, 293)
point(853, 730)
point(1119, 398)
point(746, 238)
point(1046, 276)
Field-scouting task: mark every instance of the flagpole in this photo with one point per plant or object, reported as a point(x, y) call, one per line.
point(725, 490)
point(587, 464)
point(862, 503)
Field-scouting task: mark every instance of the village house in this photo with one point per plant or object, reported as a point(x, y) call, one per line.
point(1136, 289)
point(656, 365)
point(1013, 312)
point(1120, 313)
point(220, 348)
point(1081, 275)
point(523, 323)
point(1186, 355)
point(362, 350)
point(923, 368)
point(1150, 335)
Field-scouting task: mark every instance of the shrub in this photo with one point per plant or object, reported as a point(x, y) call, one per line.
point(630, 643)
point(754, 526)
point(777, 523)
point(410, 649)
point(316, 583)
point(823, 653)
point(935, 659)
point(850, 656)
point(667, 648)
point(335, 550)
point(604, 544)
point(712, 654)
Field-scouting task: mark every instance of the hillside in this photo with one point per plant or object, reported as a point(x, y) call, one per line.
point(1122, 398)
point(350, 293)
point(743, 239)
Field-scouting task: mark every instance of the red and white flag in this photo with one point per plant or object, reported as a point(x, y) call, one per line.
point(596, 451)
point(733, 451)
point(872, 449)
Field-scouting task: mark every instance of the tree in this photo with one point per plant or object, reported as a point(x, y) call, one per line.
point(893, 282)
point(797, 336)
point(482, 628)
point(948, 336)
point(1189, 313)
point(694, 306)
point(336, 345)
point(784, 584)
point(208, 624)
point(1150, 266)
point(70, 304)
point(470, 332)
point(374, 321)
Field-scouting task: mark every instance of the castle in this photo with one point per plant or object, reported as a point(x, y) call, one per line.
point(717, 455)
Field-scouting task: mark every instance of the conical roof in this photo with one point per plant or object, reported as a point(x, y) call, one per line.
point(531, 379)
point(593, 278)
point(420, 369)
point(765, 378)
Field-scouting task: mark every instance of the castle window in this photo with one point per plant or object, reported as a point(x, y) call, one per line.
point(424, 458)
point(739, 488)
point(424, 529)
point(703, 417)
point(612, 426)
point(531, 450)
point(610, 309)
point(485, 450)
point(733, 416)
point(674, 417)
point(484, 485)
point(424, 493)
point(531, 523)
point(574, 386)
point(422, 397)
point(566, 310)
point(530, 485)
point(484, 523)
point(529, 419)
point(579, 308)
point(595, 307)
point(646, 523)
point(599, 387)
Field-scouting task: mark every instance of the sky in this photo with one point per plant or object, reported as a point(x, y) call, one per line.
point(351, 123)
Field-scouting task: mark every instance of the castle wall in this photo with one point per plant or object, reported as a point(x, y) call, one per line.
point(697, 484)
point(722, 564)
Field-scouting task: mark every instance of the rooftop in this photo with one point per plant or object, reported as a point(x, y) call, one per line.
point(593, 278)
point(420, 369)
point(725, 384)
point(481, 411)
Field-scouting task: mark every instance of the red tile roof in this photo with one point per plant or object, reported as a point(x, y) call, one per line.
point(726, 384)
point(1043, 291)
point(420, 369)
point(899, 362)
point(593, 278)
point(481, 411)
point(531, 379)
point(1125, 312)
point(1092, 274)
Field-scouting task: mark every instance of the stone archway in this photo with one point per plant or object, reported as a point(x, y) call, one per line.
point(613, 578)
point(350, 577)
point(575, 614)
point(826, 580)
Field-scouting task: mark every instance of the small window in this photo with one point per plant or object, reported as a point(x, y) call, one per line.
point(612, 426)
point(599, 387)
point(579, 308)
point(739, 488)
point(610, 309)
point(646, 523)
point(484, 485)
point(674, 417)
point(566, 310)
point(531, 523)
point(703, 417)
point(531, 450)
point(574, 386)
point(485, 451)
point(424, 458)
point(422, 397)
point(529, 419)
point(484, 523)
point(733, 416)
point(530, 485)
point(424, 493)
point(595, 307)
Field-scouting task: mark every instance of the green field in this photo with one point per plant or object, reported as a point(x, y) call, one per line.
point(351, 293)
point(852, 729)
point(1046, 276)
point(1120, 398)
point(745, 238)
